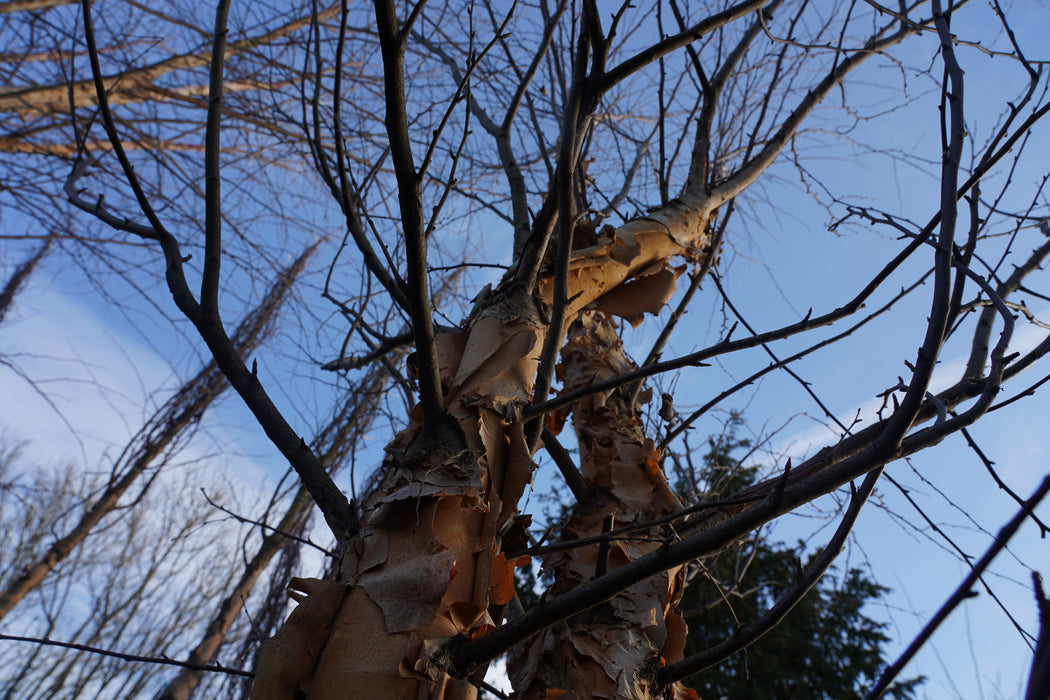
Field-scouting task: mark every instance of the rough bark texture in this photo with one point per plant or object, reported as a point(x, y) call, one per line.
point(427, 565)
point(606, 651)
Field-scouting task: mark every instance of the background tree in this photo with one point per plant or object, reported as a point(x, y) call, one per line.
point(826, 647)
point(134, 586)
point(608, 151)
point(142, 459)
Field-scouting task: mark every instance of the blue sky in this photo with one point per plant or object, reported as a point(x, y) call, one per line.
point(103, 371)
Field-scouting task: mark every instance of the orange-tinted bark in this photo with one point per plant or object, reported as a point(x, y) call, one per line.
point(427, 564)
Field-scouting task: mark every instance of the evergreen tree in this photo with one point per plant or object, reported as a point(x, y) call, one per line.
point(826, 647)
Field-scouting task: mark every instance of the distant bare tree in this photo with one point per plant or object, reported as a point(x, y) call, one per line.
point(114, 590)
point(142, 459)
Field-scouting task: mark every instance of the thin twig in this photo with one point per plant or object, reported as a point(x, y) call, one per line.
point(161, 660)
point(961, 593)
point(785, 604)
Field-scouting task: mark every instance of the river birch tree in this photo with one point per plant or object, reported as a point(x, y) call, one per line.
point(604, 156)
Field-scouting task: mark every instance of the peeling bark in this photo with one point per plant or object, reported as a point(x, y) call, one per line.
point(432, 535)
point(612, 650)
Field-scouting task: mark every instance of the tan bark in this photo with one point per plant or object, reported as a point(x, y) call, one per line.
point(18, 144)
point(612, 650)
point(138, 84)
point(31, 5)
point(427, 565)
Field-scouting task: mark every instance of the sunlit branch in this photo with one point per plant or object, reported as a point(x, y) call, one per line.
point(749, 172)
point(131, 84)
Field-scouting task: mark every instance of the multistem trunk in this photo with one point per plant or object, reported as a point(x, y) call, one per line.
point(610, 650)
point(427, 564)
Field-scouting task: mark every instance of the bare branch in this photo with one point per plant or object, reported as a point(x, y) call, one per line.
point(786, 602)
point(962, 592)
point(212, 182)
point(214, 668)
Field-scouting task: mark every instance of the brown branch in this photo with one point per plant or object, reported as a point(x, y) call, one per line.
point(347, 198)
point(574, 120)
point(283, 530)
point(409, 194)
point(626, 532)
point(332, 502)
point(1039, 678)
point(358, 361)
point(952, 91)
point(989, 466)
point(209, 298)
point(563, 460)
point(820, 474)
point(672, 43)
point(726, 346)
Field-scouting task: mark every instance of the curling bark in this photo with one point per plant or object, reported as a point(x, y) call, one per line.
point(427, 564)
